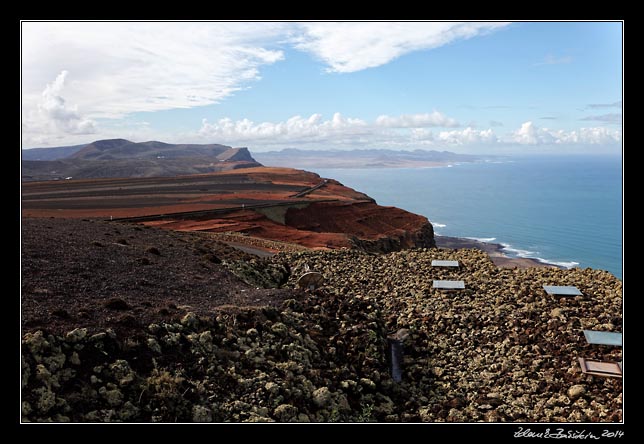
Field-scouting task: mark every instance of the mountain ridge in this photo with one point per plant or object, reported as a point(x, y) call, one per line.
point(362, 158)
point(121, 148)
point(123, 158)
point(51, 153)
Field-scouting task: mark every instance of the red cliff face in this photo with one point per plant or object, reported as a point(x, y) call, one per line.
point(368, 226)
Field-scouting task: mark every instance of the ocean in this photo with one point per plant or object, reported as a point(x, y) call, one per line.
point(563, 210)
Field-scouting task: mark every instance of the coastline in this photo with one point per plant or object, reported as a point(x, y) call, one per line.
point(494, 251)
point(360, 164)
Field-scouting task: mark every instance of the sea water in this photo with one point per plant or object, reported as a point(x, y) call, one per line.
point(563, 210)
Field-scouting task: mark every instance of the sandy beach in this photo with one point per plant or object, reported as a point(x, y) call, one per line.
point(495, 251)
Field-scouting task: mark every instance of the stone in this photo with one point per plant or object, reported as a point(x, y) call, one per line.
point(576, 391)
point(285, 412)
point(154, 345)
point(76, 335)
point(74, 359)
point(322, 397)
point(201, 413)
point(279, 329)
point(190, 320)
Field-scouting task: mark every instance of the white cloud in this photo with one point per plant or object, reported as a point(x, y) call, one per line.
point(120, 68)
point(589, 136)
point(416, 121)
point(422, 136)
point(387, 132)
point(76, 73)
point(529, 134)
point(468, 136)
point(54, 110)
point(337, 130)
point(125, 67)
point(350, 47)
point(296, 129)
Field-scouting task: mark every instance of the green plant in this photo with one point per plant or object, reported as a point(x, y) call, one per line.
point(366, 414)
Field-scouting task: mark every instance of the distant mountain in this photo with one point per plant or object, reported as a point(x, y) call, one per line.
point(55, 153)
point(367, 158)
point(123, 158)
point(124, 149)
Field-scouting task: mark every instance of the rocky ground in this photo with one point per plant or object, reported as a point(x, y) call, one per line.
point(97, 274)
point(124, 323)
point(500, 350)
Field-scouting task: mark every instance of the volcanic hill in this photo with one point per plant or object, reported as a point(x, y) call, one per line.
point(122, 158)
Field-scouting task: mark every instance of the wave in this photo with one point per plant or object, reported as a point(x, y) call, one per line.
point(568, 265)
point(527, 254)
point(518, 252)
point(437, 225)
point(482, 239)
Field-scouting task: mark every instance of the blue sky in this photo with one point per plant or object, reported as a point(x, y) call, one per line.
point(491, 87)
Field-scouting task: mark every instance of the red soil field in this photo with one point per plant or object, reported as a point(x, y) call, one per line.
point(280, 204)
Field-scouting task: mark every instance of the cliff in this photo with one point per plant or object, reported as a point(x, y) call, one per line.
point(236, 155)
point(368, 226)
point(277, 204)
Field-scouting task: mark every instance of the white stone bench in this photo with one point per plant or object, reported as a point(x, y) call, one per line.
point(437, 263)
point(449, 285)
point(566, 290)
point(603, 337)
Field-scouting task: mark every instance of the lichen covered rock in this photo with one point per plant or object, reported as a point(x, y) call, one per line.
point(498, 351)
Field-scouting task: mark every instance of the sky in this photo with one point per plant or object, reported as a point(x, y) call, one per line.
point(466, 87)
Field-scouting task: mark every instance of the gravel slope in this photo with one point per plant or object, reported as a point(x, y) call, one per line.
point(500, 350)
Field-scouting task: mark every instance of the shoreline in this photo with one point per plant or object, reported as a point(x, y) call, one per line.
point(494, 251)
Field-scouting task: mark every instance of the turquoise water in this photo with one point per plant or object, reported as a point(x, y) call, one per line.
point(564, 210)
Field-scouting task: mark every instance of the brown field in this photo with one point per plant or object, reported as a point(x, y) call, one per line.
point(277, 204)
point(158, 195)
